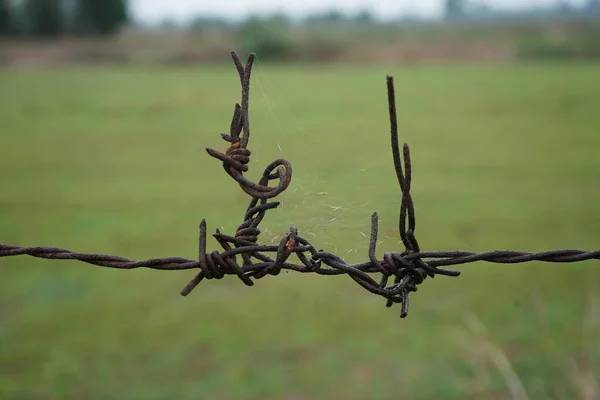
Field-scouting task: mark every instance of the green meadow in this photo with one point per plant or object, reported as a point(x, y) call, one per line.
point(113, 160)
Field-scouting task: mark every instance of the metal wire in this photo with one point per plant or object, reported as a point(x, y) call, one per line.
point(409, 268)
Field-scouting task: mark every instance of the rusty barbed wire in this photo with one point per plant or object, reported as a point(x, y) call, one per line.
point(409, 268)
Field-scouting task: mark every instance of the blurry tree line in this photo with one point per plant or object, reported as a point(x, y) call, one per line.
point(565, 29)
point(472, 9)
point(322, 36)
point(51, 18)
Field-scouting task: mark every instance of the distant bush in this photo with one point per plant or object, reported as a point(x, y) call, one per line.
point(571, 48)
point(44, 17)
point(270, 38)
point(100, 17)
point(6, 18)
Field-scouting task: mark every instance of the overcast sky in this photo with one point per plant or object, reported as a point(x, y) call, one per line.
point(158, 10)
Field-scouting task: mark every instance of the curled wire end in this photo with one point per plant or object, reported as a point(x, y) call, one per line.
point(237, 156)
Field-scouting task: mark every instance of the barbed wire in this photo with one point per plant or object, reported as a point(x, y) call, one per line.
point(408, 268)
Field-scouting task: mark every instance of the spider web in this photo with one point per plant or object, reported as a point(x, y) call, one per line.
point(333, 219)
point(336, 220)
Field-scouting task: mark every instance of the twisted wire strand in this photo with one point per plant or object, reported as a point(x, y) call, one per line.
point(439, 258)
point(216, 265)
point(409, 267)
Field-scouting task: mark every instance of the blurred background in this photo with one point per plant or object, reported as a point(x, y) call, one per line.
point(185, 31)
point(106, 108)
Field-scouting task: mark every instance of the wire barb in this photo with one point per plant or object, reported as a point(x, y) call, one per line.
point(409, 268)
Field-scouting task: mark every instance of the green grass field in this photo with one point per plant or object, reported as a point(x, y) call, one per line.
point(112, 160)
